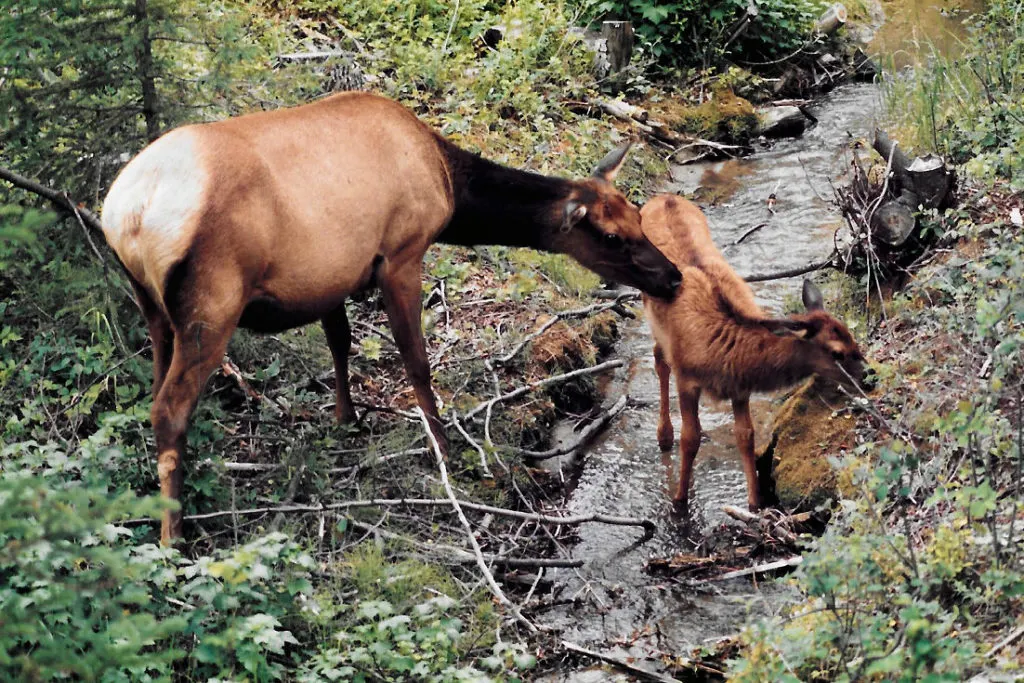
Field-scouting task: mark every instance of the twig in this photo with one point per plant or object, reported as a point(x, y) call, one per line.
point(760, 568)
point(474, 443)
point(1017, 633)
point(564, 315)
point(622, 663)
point(584, 436)
point(59, 199)
point(792, 272)
point(646, 524)
point(748, 233)
point(607, 365)
point(470, 536)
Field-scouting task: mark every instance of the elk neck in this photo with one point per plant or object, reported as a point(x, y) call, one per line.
point(759, 359)
point(495, 204)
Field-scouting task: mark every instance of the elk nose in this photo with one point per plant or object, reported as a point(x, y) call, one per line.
point(675, 281)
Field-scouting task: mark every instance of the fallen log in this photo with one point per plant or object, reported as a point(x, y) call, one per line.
point(893, 223)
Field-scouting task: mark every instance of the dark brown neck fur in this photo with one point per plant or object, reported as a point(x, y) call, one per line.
point(495, 204)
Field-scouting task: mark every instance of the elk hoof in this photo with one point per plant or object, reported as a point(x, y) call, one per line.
point(681, 507)
point(754, 507)
point(665, 439)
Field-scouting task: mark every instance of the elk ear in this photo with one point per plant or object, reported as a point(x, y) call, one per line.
point(574, 213)
point(813, 300)
point(787, 326)
point(608, 167)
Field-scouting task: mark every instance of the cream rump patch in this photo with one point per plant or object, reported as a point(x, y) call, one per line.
point(150, 215)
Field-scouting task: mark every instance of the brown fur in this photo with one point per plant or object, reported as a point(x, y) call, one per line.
point(271, 220)
point(714, 338)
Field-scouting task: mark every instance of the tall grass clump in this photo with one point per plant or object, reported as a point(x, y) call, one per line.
point(970, 108)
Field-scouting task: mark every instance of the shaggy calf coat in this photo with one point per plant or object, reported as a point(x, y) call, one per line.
point(714, 338)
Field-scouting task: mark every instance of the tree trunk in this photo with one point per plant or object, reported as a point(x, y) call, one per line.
point(930, 180)
point(831, 20)
point(145, 71)
point(619, 35)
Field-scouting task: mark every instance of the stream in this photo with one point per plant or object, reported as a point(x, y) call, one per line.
point(624, 473)
point(611, 604)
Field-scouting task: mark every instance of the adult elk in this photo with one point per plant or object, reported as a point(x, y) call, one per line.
point(269, 221)
point(714, 338)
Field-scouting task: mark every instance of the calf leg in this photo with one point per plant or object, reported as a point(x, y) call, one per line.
point(661, 368)
point(400, 285)
point(743, 428)
point(689, 438)
point(339, 338)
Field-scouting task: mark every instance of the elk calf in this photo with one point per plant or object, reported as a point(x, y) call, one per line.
point(715, 339)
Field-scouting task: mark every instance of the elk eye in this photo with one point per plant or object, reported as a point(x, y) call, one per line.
point(613, 240)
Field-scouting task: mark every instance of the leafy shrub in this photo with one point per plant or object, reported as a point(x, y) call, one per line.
point(73, 603)
point(689, 33)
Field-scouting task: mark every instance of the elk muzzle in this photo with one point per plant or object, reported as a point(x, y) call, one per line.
point(655, 274)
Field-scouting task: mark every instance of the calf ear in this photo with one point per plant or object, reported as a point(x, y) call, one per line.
point(574, 213)
point(813, 300)
point(787, 326)
point(608, 167)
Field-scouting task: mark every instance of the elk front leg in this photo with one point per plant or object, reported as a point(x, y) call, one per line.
point(689, 439)
point(661, 368)
point(401, 289)
point(743, 428)
point(339, 339)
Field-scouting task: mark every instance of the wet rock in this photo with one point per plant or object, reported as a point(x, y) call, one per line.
point(592, 675)
point(781, 122)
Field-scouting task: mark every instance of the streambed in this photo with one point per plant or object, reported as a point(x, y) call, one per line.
point(624, 472)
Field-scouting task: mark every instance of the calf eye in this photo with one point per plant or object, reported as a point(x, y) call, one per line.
point(613, 240)
point(838, 355)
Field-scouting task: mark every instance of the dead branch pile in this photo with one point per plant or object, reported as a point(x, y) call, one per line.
point(881, 206)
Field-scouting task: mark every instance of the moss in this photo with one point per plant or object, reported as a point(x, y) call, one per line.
point(805, 433)
point(725, 117)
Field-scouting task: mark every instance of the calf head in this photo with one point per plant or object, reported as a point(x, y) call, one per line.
point(832, 350)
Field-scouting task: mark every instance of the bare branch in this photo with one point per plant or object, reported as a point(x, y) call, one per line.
point(60, 200)
point(601, 367)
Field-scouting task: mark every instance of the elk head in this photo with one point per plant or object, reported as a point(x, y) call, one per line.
point(601, 229)
point(832, 351)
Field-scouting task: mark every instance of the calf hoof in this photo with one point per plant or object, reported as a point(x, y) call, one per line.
point(665, 439)
point(681, 507)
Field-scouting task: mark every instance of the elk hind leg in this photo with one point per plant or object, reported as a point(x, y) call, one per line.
point(339, 338)
point(161, 335)
point(199, 346)
point(661, 368)
point(743, 428)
